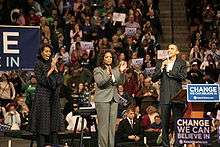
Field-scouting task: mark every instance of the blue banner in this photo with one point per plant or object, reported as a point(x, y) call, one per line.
point(19, 47)
point(203, 93)
point(193, 130)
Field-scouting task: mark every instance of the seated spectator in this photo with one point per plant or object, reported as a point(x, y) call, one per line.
point(12, 117)
point(195, 74)
point(44, 27)
point(148, 94)
point(124, 101)
point(195, 54)
point(209, 67)
point(131, 85)
point(156, 125)
point(63, 54)
point(129, 130)
point(141, 78)
point(2, 114)
point(148, 117)
point(131, 23)
point(137, 112)
point(73, 119)
point(17, 17)
point(75, 32)
point(23, 110)
point(29, 90)
point(208, 16)
point(7, 90)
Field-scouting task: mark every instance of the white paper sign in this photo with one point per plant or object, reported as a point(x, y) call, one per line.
point(120, 17)
point(149, 71)
point(162, 54)
point(137, 61)
point(130, 31)
point(86, 45)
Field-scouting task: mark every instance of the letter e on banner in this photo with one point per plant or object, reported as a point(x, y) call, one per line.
point(7, 42)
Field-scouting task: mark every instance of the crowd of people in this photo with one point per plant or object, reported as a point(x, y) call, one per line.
point(66, 24)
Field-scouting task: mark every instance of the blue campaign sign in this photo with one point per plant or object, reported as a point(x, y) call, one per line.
point(203, 93)
point(19, 46)
point(193, 130)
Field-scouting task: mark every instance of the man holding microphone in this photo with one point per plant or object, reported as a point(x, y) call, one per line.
point(171, 72)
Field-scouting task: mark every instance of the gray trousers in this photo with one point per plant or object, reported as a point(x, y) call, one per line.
point(107, 114)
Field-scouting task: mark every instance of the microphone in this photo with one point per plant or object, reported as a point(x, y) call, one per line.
point(165, 67)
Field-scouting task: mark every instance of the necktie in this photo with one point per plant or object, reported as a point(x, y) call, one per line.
point(131, 121)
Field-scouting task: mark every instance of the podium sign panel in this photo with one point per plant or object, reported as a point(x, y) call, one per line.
point(203, 93)
point(193, 130)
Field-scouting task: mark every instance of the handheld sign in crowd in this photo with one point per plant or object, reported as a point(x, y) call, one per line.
point(19, 47)
point(119, 17)
point(193, 130)
point(162, 54)
point(85, 45)
point(4, 127)
point(149, 71)
point(130, 31)
point(203, 93)
point(137, 62)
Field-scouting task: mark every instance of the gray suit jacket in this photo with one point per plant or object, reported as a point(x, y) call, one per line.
point(105, 88)
point(171, 82)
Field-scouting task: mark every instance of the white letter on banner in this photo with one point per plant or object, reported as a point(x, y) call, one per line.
point(6, 42)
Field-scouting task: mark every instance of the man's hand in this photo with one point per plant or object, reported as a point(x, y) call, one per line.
point(131, 137)
point(137, 138)
point(148, 94)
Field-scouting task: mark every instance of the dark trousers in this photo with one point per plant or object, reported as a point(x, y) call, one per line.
point(43, 140)
point(177, 111)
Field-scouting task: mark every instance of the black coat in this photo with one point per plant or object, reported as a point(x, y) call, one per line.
point(171, 82)
point(46, 116)
point(125, 130)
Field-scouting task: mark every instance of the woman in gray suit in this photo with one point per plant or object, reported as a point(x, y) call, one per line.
point(107, 76)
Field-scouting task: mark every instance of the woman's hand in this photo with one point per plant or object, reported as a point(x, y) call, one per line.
point(54, 62)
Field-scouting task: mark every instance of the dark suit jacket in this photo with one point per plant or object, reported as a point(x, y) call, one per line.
point(171, 82)
point(125, 130)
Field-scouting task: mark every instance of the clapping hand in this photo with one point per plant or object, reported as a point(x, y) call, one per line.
point(53, 64)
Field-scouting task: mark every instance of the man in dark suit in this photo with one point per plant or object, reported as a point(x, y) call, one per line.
point(171, 72)
point(129, 131)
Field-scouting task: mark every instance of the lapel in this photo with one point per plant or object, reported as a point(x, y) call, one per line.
point(128, 123)
point(176, 64)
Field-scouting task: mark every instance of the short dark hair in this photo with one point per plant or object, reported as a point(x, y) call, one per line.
point(42, 49)
point(130, 108)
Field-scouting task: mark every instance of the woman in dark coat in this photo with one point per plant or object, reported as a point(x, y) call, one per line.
point(46, 117)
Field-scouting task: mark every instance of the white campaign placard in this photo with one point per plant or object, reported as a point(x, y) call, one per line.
point(162, 54)
point(120, 17)
point(85, 45)
point(149, 70)
point(138, 61)
point(130, 31)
